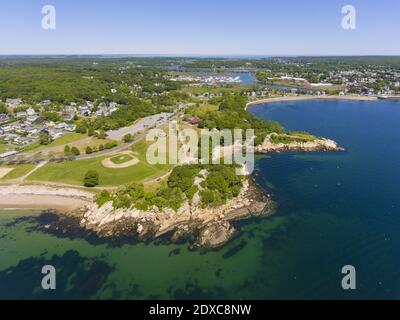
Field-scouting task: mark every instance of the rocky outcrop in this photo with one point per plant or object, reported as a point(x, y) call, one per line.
point(320, 144)
point(211, 227)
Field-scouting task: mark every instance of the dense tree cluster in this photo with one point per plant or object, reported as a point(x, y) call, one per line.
point(220, 184)
point(78, 80)
point(232, 115)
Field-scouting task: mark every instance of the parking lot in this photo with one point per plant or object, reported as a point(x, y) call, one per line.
point(143, 124)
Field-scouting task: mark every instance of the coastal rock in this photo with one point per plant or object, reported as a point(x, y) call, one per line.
point(215, 234)
point(320, 144)
point(211, 226)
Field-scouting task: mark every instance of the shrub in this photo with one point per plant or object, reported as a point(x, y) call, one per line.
point(110, 145)
point(128, 138)
point(91, 179)
point(81, 128)
point(67, 150)
point(102, 135)
point(75, 151)
point(210, 197)
point(103, 197)
point(45, 138)
point(122, 201)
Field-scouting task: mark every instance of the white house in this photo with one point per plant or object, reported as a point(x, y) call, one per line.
point(13, 102)
point(30, 111)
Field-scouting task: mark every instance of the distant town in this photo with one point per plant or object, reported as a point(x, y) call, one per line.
point(174, 85)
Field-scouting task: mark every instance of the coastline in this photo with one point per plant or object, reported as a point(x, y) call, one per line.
point(310, 97)
point(74, 212)
point(208, 227)
point(36, 197)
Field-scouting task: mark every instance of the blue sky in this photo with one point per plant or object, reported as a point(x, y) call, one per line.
point(203, 27)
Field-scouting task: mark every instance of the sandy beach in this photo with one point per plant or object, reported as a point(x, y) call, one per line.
point(311, 97)
point(42, 197)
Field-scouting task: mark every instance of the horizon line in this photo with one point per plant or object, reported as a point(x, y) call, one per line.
point(177, 55)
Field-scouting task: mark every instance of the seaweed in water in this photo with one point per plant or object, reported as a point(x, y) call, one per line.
point(234, 250)
point(77, 277)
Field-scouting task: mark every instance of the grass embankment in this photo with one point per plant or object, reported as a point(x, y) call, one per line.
point(202, 110)
point(18, 171)
point(73, 172)
point(66, 139)
point(4, 148)
point(290, 137)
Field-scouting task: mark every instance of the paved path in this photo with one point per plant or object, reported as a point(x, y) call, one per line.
point(41, 164)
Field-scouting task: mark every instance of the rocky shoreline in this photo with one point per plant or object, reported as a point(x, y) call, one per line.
point(318, 145)
point(207, 227)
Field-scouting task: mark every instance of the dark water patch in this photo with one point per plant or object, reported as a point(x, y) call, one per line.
point(77, 277)
point(19, 220)
point(218, 273)
point(62, 226)
point(235, 249)
point(174, 252)
point(192, 290)
point(69, 227)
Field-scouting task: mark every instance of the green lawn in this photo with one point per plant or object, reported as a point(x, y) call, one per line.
point(19, 171)
point(68, 138)
point(4, 148)
point(203, 110)
point(293, 137)
point(122, 158)
point(73, 172)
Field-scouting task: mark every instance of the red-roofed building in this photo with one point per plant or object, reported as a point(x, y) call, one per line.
point(196, 121)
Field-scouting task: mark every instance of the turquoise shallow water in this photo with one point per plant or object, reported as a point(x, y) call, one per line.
point(332, 210)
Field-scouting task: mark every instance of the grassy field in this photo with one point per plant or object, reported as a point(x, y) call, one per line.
point(68, 138)
point(202, 110)
point(293, 137)
point(18, 171)
point(121, 158)
point(4, 148)
point(73, 172)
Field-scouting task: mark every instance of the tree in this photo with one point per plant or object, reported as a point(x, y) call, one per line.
point(89, 150)
point(127, 138)
point(80, 128)
point(103, 197)
point(3, 108)
point(45, 138)
point(67, 150)
point(75, 151)
point(102, 135)
point(90, 132)
point(91, 179)
point(101, 147)
point(110, 145)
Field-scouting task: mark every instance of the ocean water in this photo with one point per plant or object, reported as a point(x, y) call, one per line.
point(333, 209)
